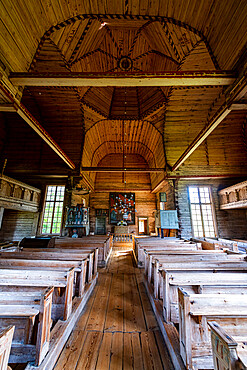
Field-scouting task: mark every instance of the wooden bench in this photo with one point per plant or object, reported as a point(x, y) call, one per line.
point(58, 255)
point(198, 282)
point(30, 312)
point(227, 353)
point(104, 246)
point(164, 245)
point(149, 254)
point(79, 266)
point(194, 312)
point(193, 264)
point(62, 281)
point(6, 337)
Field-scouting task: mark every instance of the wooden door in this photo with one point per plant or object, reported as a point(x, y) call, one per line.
point(100, 228)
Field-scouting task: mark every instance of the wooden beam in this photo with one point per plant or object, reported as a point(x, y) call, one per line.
point(36, 126)
point(120, 169)
point(159, 185)
point(126, 79)
point(233, 93)
point(8, 108)
point(238, 106)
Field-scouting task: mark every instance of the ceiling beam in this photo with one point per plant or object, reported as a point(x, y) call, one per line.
point(126, 79)
point(230, 96)
point(239, 106)
point(120, 169)
point(20, 109)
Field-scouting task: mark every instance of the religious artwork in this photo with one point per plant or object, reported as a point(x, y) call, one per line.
point(77, 215)
point(122, 208)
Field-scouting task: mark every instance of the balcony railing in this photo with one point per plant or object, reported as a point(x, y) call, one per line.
point(17, 195)
point(234, 196)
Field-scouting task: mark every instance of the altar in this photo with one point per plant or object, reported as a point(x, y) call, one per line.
point(121, 229)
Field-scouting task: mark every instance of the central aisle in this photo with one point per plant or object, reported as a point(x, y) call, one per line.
point(117, 329)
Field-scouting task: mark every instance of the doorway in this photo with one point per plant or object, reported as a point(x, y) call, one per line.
point(143, 226)
point(100, 227)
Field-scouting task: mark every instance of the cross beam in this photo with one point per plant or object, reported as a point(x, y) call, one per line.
point(124, 79)
point(120, 169)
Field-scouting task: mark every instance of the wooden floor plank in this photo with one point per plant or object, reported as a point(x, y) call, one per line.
point(147, 308)
point(127, 352)
point(151, 358)
point(133, 314)
point(104, 357)
point(89, 354)
point(116, 351)
point(114, 315)
point(72, 350)
point(163, 351)
point(137, 351)
point(83, 319)
point(97, 315)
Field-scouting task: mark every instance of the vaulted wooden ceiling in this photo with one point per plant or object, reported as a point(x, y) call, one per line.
point(157, 123)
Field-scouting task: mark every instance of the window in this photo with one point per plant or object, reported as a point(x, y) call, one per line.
point(53, 209)
point(202, 211)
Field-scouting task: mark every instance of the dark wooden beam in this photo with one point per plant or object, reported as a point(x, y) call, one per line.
point(23, 112)
point(120, 169)
point(230, 96)
point(126, 79)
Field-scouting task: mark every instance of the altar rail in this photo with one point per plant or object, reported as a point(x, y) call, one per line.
point(17, 195)
point(234, 196)
point(123, 238)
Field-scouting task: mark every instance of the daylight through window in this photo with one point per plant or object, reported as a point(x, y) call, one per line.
point(201, 211)
point(53, 210)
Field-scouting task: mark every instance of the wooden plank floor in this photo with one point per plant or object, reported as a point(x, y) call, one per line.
point(117, 329)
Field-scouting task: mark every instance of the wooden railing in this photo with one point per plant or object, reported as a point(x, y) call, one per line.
point(234, 196)
point(16, 195)
point(123, 238)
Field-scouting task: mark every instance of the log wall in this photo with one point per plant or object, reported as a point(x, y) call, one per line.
point(17, 225)
point(231, 224)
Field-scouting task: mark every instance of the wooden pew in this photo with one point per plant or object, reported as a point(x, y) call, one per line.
point(194, 312)
point(227, 353)
point(104, 245)
point(61, 280)
point(198, 282)
point(79, 266)
point(164, 245)
point(6, 337)
point(90, 252)
point(58, 254)
point(194, 264)
point(31, 314)
point(149, 254)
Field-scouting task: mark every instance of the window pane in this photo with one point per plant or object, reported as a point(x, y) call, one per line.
point(53, 210)
point(201, 211)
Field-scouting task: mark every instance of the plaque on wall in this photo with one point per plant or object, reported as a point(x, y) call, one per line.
point(169, 220)
point(122, 208)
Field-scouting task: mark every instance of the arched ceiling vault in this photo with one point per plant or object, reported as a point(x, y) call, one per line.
point(126, 137)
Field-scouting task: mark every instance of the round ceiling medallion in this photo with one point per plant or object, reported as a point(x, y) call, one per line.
point(125, 63)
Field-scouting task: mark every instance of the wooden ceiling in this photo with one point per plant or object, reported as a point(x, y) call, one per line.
point(156, 123)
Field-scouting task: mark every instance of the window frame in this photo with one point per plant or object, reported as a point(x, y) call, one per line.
point(200, 204)
point(43, 211)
